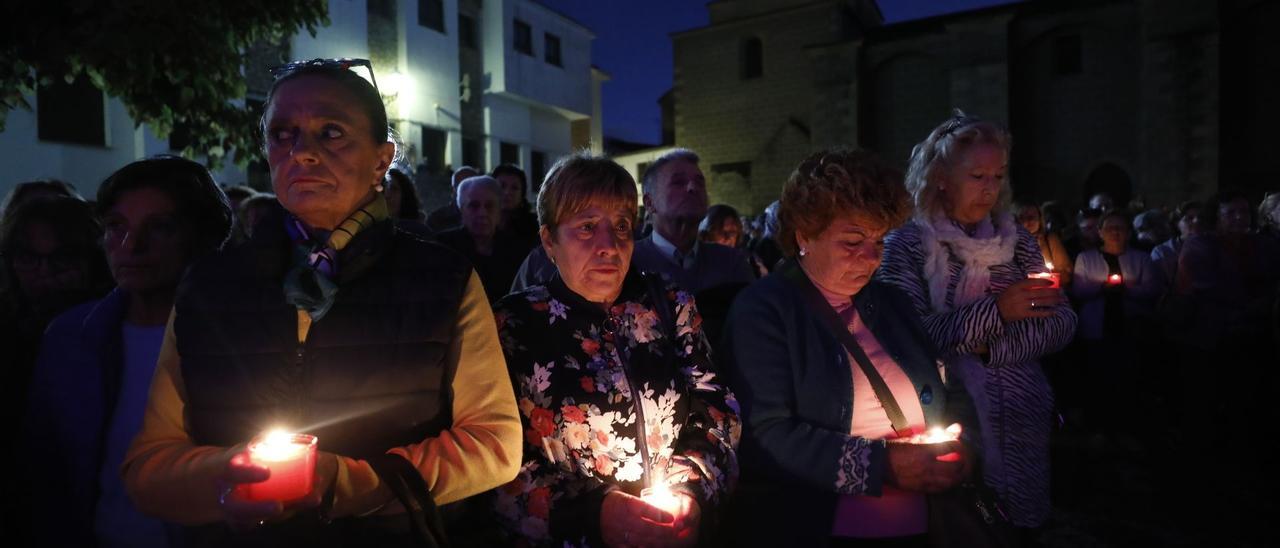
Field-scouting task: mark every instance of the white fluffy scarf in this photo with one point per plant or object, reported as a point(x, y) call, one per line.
point(991, 245)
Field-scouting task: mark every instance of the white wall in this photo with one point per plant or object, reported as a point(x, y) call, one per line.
point(567, 86)
point(346, 36)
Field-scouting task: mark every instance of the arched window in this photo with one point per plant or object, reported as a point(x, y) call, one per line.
point(752, 59)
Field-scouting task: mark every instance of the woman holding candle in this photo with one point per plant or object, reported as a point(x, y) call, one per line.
point(629, 434)
point(823, 461)
point(1116, 290)
point(1055, 255)
point(964, 261)
point(331, 322)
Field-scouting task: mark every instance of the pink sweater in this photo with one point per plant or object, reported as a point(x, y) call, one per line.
point(895, 512)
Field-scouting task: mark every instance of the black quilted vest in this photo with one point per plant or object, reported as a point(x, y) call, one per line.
point(371, 374)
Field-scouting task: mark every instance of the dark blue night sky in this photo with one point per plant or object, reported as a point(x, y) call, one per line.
point(633, 46)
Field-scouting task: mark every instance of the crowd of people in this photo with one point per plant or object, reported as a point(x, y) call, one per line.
point(620, 363)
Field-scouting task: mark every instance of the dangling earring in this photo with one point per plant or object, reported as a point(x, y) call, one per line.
point(378, 186)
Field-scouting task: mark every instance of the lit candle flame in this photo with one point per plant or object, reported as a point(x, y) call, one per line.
point(1048, 265)
point(938, 434)
point(278, 445)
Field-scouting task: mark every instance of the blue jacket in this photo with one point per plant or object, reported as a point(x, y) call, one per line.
point(795, 385)
point(72, 399)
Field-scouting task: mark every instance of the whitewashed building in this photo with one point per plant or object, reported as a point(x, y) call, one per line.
point(477, 82)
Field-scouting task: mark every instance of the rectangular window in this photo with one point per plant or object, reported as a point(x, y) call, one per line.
point(467, 32)
point(71, 113)
point(523, 37)
point(537, 169)
point(553, 49)
point(509, 153)
point(433, 145)
point(431, 14)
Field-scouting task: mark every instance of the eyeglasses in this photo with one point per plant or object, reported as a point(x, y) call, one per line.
point(24, 260)
point(345, 63)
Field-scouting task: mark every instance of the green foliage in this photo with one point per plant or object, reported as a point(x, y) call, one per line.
point(172, 63)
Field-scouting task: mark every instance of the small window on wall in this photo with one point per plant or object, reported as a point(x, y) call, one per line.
point(71, 113)
point(508, 153)
point(537, 169)
point(1067, 58)
point(431, 14)
point(467, 32)
point(433, 146)
point(523, 37)
point(553, 49)
point(752, 59)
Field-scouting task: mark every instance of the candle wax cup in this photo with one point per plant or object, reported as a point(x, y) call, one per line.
point(292, 461)
point(661, 497)
point(1051, 276)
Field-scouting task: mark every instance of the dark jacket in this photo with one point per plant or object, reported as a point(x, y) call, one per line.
point(371, 374)
point(74, 391)
point(795, 385)
point(497, 269)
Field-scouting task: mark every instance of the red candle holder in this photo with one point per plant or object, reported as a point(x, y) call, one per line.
point(1053, 277)
point(1114, 279)
point(291, 458)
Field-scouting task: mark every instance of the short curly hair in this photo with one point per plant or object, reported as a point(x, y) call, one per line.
point(836, 182)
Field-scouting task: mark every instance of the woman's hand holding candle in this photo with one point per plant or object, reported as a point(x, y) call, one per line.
point(626, 520)
point(244, 502)
point(916, 466)
point(1031, 298)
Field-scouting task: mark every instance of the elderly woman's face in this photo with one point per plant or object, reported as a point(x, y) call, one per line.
point(972, 186)
point(324, 163)
point(843, 257)
point(592, 250)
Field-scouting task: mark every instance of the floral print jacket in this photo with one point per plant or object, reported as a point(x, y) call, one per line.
point(616, 399)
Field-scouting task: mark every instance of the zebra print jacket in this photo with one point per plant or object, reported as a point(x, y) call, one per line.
point(964, 329)
point(1010, 392)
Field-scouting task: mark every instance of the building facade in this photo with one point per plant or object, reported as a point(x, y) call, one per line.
point(477, 82)
point(1151, 100)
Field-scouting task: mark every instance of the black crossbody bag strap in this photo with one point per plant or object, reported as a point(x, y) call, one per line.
point(411, 490)
point(818, 304)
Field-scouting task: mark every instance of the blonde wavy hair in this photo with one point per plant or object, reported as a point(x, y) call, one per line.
point(945, 146)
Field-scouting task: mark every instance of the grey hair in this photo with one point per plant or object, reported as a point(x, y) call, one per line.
point(941, 150)
point(650, 176)
point(1269, 210)
point(771, 227)
point(481, 181)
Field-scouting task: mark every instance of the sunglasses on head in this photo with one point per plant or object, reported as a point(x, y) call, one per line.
point(345, 63)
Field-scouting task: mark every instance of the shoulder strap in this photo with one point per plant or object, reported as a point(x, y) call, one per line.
point(411, 490)
point(818, 305)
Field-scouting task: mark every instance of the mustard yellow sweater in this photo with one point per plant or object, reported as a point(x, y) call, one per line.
point(171, 477)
